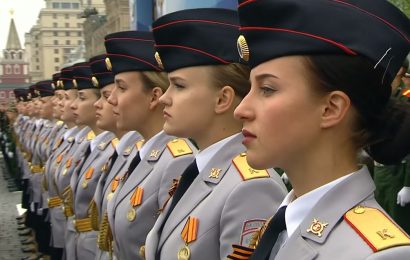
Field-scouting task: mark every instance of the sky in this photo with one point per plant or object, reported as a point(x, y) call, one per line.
point(25, 16)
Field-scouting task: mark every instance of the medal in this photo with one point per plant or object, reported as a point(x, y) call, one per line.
point(88, 176)
point(131, 214)
point(84, 184)
point(184, 253)
point(188, 234)
point(109, 196)
point(65, 172)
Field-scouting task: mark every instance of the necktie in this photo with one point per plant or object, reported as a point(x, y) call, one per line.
point(134, 163)
point(113, 159)
point(268, 240)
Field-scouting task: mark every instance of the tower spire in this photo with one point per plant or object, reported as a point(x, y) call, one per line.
point(13, 41)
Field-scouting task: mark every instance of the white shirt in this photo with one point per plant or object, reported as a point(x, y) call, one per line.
point(204, 156)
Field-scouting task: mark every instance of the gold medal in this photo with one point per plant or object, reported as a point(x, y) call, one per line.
point(184, 253)
point(85, 184)
point(109, 196)
point(65, 172)
point(131, 214)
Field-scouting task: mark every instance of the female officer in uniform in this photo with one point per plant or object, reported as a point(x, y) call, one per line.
point(320, 92)
point(143, 188)
point(216, 195)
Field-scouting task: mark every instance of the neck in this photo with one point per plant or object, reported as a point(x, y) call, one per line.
point(221, 128)
point(70, 124)
point(324, 162)
point(119, 134)
point(153, 125)
point(96, 130)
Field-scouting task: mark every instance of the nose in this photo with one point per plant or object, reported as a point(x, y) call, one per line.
point(97, 103)
point(112, 99)
point(244, 111)
point(165, 99)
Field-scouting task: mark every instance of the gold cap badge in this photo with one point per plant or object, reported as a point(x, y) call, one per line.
point(108, 64)
point(95, 82)
point(53, 85)
point(243, 48)
point(75, 83)
point(317, 227)
point(158, 59)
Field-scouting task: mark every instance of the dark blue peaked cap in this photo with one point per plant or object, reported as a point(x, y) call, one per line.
point(193, 37)
point(101, 76)
point(374, 29)
point(130, 51)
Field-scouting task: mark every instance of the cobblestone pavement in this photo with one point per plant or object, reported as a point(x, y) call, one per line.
point(10, 247)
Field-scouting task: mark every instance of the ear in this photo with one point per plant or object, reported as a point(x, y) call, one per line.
point(226, 96)
point(337, 104)
point(156, 93)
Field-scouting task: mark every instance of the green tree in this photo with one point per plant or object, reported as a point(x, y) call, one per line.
point(403, 5)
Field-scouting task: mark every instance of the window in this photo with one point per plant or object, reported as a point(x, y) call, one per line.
point(67, 42)
point(54, 16)
point(55, 25)
point(55, 42)
point(65, 5)
point(37, 67)
point(80, 42)
point(56, 5)
point(76, 5)
point(79, 25)
point(8, 69)
point(79, 34)
point(35, 45)
point(6, 55)
point(20, 55)
point(56, 51)
point(36, 37)
point(55, 33)
point(56, 68)
point(67, 16)
point(67, 25)
point(67, 50)
point(67, 33)
point(36, 52)
point(16, 69)
point(56, 59)
point(37, 60)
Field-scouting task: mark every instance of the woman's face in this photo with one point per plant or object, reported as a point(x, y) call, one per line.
point(131, 101)
point(57, 103)
point(83, 107)
point(281, 114)
point(67, 114)
point(46, 110)
point(189, 102)
point(104, 114)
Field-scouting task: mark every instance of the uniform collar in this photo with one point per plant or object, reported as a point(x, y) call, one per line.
point(204, 156)
point(148, 144)
point(98, 139)
point(69, 132)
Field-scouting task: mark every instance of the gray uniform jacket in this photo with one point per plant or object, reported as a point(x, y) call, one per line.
point(57, 217)
point(154, 175)
point(339, 240)
point(103, 190)
point(86, 242)
point(67, 181)
point(229, 209)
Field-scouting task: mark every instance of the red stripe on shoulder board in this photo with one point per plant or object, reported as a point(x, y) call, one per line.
point(337, 44)
point(246, 2)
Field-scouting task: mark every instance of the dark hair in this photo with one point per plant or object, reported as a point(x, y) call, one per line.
point(383, 124)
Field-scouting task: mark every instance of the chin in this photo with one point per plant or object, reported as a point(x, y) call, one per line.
point(256, 161)
point(173, 131)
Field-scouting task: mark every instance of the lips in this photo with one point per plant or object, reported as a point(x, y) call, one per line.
point(166, 114)
point(247, 136)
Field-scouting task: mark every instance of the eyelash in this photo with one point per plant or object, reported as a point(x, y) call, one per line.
point(266, 91)
point(178, 86)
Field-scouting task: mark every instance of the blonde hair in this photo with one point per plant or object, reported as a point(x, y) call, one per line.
point(235, 75)
point(154, 79)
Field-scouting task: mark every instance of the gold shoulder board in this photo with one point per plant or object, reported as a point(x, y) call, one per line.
point(115, 142)
point(90, 135)
point(139, 144)
point(246, 171)
point(376, 229)
point(179, 147)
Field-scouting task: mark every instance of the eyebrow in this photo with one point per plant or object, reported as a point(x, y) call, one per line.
point(174, 78)
point(264, 76)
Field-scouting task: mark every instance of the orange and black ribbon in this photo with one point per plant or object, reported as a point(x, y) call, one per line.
point(190, 230)
point(114, 183)
point(89, 173)
point(171, 192)
point(240, 253)
point(136, 198)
